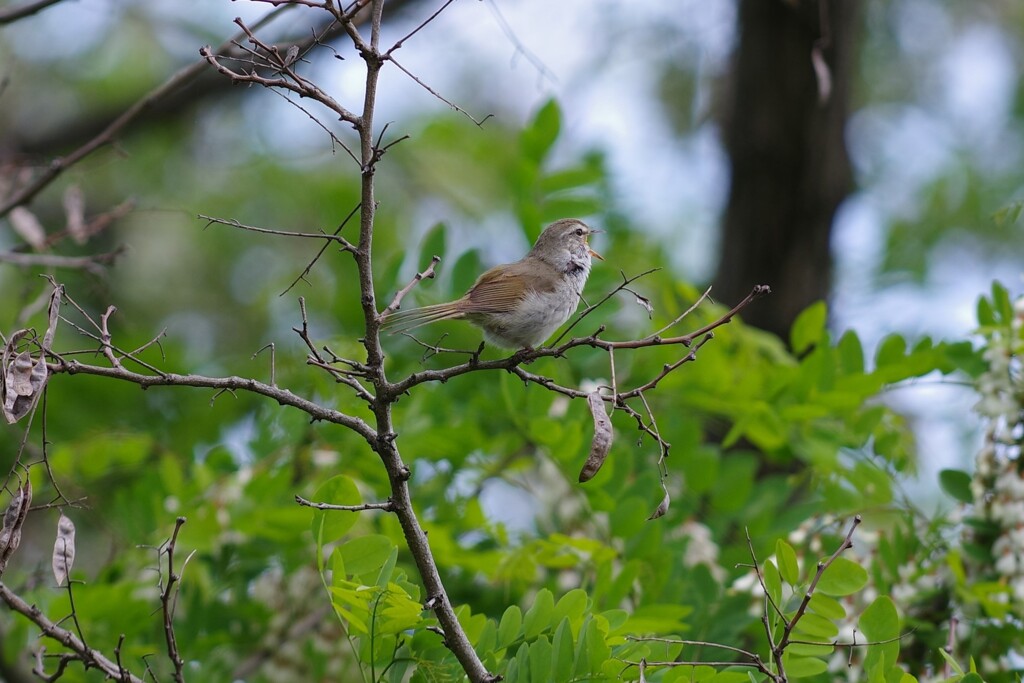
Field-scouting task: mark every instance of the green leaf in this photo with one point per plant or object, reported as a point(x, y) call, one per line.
point(773, 582)
point(788, 567)
point(387, 569)
point(523, 660)
point(803, 667)
point(571, 605)
point(1008, 215)
point(830, 608)
point(953, 664)
point(597, 647)
point(891, 351)
point(508, 629)
point(880, 622)
point(433, 244)
point(843, 577)
point(615, 618)
point(957, 484)
point(566, 179)
point(542, 132)
point(365, 554)
point(986, 316)
point(809, 328)
point(540, 659)
point(512, 672)
point(330, 525)
point(538, 617)
point(817, 627)
point(810, 649)
point(466, 270)
point(1001, 303)
point(564, 652)
point(851, 353)
point(338, 573)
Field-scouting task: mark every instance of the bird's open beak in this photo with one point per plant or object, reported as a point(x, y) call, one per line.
point(592, 252)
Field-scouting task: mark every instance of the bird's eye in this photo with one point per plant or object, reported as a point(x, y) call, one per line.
point(579, 231)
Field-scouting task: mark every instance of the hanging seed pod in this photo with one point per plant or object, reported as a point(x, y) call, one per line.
point(63, 549)
point(601, 444)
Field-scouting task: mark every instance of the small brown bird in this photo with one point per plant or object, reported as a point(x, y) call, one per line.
point(520, 304)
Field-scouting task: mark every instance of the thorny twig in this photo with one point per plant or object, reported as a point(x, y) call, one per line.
point(169, 600)
point(335, 237)
point(387, 506)
point(309, 266)
point(50, 629)
point(426, 274)
point(57, 166)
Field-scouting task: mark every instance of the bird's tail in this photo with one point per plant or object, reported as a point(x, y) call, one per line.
point(403, 321)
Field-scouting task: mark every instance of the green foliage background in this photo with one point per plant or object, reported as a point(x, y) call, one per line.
point(781, 440)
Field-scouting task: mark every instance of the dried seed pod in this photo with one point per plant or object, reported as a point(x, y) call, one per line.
point(14, 518)
point(28, 227)
point(601, 444)
point(74, 211)
point(662, 506)
point(63, 549)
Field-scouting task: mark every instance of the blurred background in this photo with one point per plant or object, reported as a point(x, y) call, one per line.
point(866, 153)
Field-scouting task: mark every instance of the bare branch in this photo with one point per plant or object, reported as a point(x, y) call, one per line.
point(682, 315)
point(289, 81)
point(426, 274)
point(282, 396)
point(335, 237)
point(438, 95)
point(11, 14)
point(91, 263)
point(822, 566)
point(528, 355)
point(386, 506)
point(168, 601)
point(50, 629)
point(105, 137)
point(309, 266)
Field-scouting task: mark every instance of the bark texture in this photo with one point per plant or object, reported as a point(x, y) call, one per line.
point(790, 169)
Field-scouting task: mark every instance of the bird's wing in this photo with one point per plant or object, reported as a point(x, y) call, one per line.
point(501, 289)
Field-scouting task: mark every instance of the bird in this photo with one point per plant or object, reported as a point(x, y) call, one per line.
point(519, 305)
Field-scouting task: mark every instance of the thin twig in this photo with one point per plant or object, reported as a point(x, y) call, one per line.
point(273, 361)
point(11, 14)
point(107, 135)
point(478, 122)
point(387, 506)
point(52, 630)
point(168, 601)
point(91, 263)
point(282, 396)
point(105, 337)
point(426, 274)
point(309, 266)
point(682, 315)
point(822, 566)
point(335, 237)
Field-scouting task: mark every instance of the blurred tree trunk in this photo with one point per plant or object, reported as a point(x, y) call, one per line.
point(790, 169)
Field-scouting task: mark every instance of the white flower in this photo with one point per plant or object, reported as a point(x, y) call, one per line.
point(1010, 513)
point(1007, 565)
point(1017, 586)
point(1011, 484)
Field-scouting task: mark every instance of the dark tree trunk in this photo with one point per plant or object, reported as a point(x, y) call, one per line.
point(790, 169)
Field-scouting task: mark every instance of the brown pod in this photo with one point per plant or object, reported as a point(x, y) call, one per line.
point(602, 441)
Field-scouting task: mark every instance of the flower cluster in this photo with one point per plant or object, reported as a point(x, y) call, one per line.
point(998, 483)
